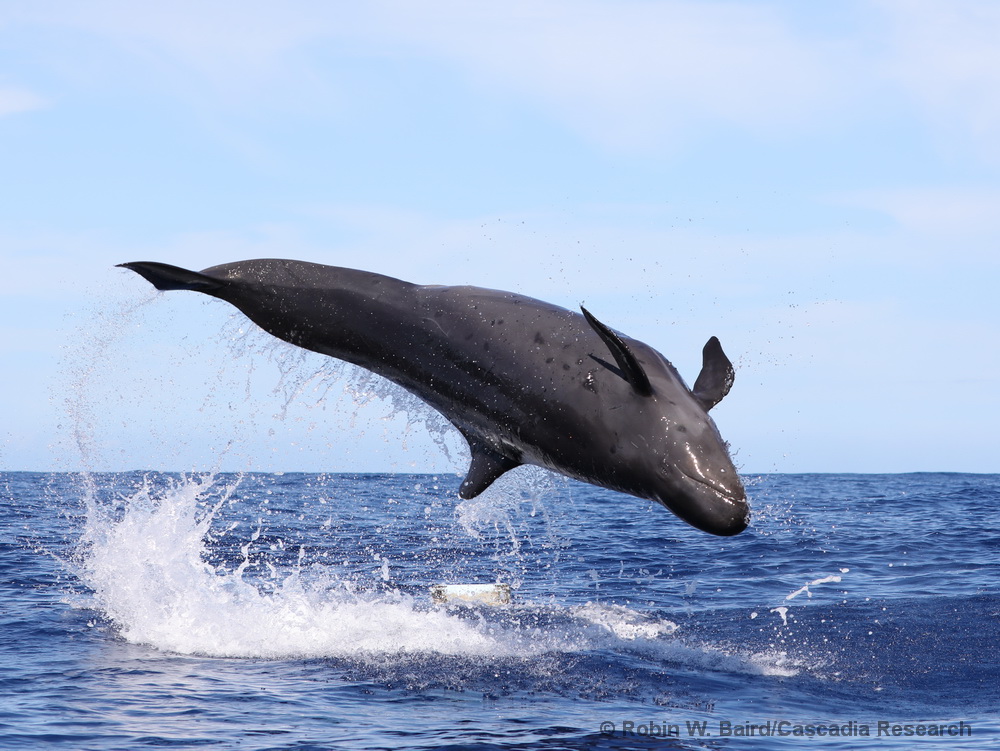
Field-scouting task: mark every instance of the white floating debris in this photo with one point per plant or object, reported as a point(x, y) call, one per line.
point(480, 594)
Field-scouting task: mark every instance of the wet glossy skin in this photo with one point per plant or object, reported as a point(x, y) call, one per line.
point(525, 382)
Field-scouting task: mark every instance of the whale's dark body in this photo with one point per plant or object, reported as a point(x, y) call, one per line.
point(525, 382)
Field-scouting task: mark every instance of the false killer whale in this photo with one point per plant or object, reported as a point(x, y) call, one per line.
point(524, 381)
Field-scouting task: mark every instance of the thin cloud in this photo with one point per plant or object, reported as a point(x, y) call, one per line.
point(627, 75)
point(633, 76)
point(946, 56)
point(631, 73)
point(15, 100)
point(941, 211)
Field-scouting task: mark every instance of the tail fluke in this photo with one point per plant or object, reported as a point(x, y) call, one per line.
point(163, 276)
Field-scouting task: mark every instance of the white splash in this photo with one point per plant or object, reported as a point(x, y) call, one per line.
point(804, 589)
point(623, 622)
point(783, 612)
point(150, 577)
point(502, 506)
point(776, 663)
point(147, 561)
point(307, 381)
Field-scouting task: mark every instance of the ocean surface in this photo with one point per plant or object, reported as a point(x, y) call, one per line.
point(293, 611)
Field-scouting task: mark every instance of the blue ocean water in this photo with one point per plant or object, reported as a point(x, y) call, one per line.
point(270, 611)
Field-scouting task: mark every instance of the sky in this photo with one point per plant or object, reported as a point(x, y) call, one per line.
point(817, 184)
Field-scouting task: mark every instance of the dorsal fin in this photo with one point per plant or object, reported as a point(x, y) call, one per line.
point(487, 465)
point(630, 367)
point(716, 376)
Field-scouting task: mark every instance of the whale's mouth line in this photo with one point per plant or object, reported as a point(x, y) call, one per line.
point(725, 495)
